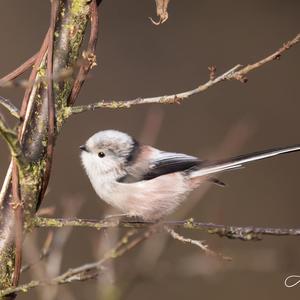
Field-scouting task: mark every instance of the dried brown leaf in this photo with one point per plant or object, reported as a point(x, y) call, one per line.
point(161, 11)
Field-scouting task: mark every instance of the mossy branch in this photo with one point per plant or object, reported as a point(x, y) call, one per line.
point(37, 132)
point(131, 239)
point(245, 233)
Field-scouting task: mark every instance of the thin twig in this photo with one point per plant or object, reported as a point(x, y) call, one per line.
point(19, 221)
point(240, 75)
point(7, 79)
point(87, 271)
point(52, 267)
point(204, 247)
point(245, 233)
point(237, 73)
point(44, 253)
point(32, 79)
point(14, 111)
point(51, 106)
point(169, 99)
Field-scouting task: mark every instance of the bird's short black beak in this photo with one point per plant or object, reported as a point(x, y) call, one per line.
point(83, 148)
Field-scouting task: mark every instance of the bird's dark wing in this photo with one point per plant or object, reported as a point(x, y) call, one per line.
point(151, 163)
point(169, 162)
point(154, 163)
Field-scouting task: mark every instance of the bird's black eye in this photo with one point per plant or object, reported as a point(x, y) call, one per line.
point(101, 154)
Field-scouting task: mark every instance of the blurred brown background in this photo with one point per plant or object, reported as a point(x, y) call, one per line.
point(136, 58)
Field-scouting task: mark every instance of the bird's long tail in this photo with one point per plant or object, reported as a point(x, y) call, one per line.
point(212, 167)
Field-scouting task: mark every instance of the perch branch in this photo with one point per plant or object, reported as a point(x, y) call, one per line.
point(245, 233)
point(237, 73)
point(14, 111)
point(89, 271)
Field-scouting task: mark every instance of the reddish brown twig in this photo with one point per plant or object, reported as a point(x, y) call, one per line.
point(51, 106)
point(32, 76)
point(89, 56)
point(18, 215)
point(18, 71)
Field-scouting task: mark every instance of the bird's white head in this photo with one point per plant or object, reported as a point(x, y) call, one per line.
point(106, 153)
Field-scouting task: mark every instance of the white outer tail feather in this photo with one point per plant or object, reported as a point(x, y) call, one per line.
point(239, 161)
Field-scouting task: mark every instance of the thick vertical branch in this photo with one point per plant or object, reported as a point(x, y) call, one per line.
point(89, 55)
point(43, 104)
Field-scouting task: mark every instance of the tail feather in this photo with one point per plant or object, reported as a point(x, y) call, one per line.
point(212, 167)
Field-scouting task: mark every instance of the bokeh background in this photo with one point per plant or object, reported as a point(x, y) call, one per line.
point(137, 59)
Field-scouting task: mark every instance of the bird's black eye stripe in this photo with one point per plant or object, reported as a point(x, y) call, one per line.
point(133, 152)
point(101, 154)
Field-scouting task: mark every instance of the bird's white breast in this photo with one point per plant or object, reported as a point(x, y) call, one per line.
point(149, 199)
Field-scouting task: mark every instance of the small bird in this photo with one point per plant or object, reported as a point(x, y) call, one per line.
point(148, 183)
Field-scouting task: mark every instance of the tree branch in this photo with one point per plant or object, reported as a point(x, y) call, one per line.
point(169, 99)
point(91, 270)
point(240, 75)
point(245, 233)
point(237, 73)
point(89, 56)
point(70, 25)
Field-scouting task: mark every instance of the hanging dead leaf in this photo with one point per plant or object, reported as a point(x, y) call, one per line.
point(161, 11)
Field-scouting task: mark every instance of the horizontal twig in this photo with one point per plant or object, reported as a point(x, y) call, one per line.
point(91, 270)
point(169, 99)
point(237, 73)
point(245, 233)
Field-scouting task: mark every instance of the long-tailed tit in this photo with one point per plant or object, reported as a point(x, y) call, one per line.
point(149, 183)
